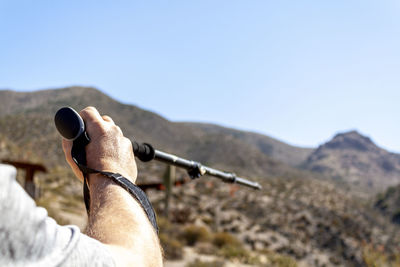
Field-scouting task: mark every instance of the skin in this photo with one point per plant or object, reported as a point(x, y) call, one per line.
point(116, 219)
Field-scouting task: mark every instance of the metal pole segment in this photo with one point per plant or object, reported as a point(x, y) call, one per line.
point(189, 164)
point(174, 160)
point(248, 183)
point(231, 178)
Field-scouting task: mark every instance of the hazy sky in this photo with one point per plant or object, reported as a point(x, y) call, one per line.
point(299, 71)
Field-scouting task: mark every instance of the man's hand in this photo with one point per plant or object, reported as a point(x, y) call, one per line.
point(108, 149)
point(116, 219)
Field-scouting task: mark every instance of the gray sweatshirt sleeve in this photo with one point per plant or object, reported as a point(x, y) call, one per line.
point(28, 237)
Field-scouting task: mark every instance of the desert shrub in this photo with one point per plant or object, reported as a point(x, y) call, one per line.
point(391, 191)
point(163, 224)
point(173, 248)
point(223, 239)
point(276, 260)
point(169, 239)
point(396, 216)
point(380, 198)
point(181, 216)
point(199, 263)
point(170, 229)
point(230, 247)
point(193, 234)
point(282, 261)
point(234, 252)
point(376, 257)
point(373, 257)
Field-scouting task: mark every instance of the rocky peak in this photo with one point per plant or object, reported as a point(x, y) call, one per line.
point(354, 158)
point(351, 140)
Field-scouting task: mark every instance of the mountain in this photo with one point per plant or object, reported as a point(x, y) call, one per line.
point(26, 119)
point(355, 159)
point(274, 148)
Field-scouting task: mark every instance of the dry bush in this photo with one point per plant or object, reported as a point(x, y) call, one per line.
point(193, 234)
point(199, 263)
point(169, 238)
point(376, 257)
point(235, 252)
point(173, 248)
point(223, 239)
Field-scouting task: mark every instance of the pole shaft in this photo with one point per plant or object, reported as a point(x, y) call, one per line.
point(189, 164)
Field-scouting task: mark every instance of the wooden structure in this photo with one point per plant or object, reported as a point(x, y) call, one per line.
point(30, 169)
point(168, 183)
point(159, 186)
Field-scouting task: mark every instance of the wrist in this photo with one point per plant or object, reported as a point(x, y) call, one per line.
point(97, 180)
point(102, 190)
point(103, 185)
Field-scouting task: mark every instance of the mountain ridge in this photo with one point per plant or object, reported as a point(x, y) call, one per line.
point(356, 159)
point(273, 147)
point(145, 126)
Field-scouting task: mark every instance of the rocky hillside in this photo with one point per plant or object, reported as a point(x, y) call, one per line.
point(353, 158)
point(311, 221)
point(276, 149)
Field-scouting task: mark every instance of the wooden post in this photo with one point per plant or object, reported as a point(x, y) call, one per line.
point(30, 169)
point(217, 216)
point(169, 181)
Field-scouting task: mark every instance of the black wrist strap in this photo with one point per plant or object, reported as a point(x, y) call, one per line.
point(134, 190)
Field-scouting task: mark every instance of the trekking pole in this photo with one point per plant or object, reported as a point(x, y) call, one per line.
point(72, 127)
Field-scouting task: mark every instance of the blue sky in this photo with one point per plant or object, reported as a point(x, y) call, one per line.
point(299, 71)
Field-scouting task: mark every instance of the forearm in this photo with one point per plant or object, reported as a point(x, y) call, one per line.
point(117, 219)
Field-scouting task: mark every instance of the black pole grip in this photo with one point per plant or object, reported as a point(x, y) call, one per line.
point(69, 123)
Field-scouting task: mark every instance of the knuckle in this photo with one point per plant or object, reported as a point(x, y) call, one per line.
point(91, 108)
point(116, 130)
point(106, 117)
point(127, 142)
point(99, 127)
point(88, 111)
point(84, 112)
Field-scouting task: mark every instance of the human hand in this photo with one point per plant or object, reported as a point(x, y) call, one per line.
point(108, 149)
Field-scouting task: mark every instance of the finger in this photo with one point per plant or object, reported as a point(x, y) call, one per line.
point(67, 146)
point(90, 114)
point(108, 119)
point(93, 120)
